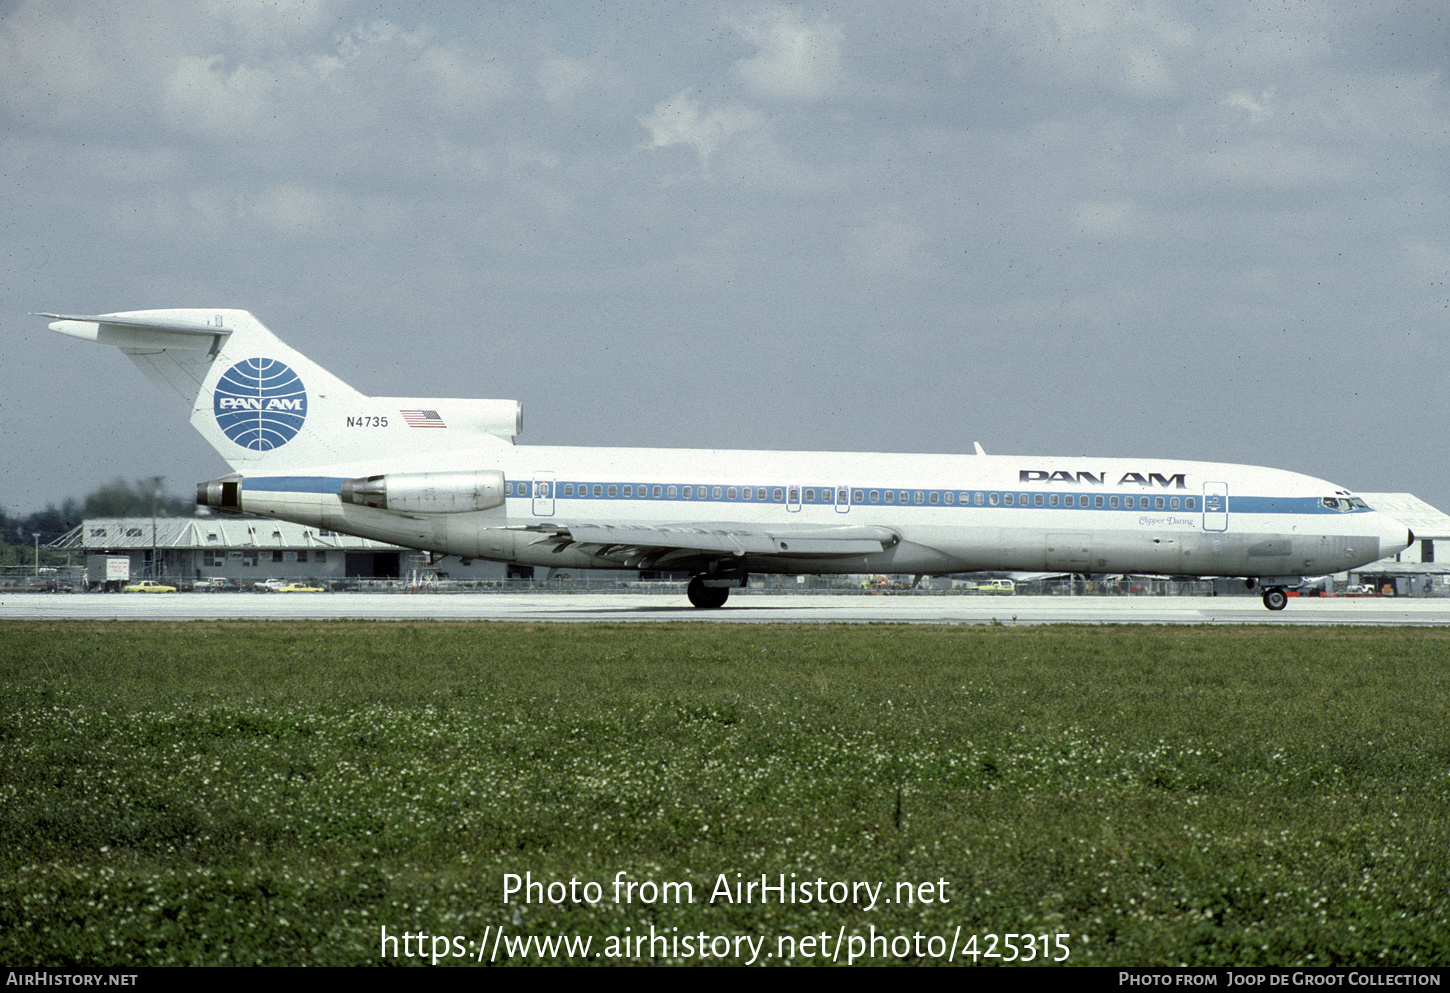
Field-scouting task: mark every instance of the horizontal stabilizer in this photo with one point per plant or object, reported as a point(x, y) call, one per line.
point(163, 324)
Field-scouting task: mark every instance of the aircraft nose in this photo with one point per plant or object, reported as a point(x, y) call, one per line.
point(1395, 537)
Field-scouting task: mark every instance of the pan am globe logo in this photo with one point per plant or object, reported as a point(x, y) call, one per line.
point(260, 404)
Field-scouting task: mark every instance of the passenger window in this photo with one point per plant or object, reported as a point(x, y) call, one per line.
point(716, 492)
point(1037, 500)
point(948, 497)
point(656, 492)
point(777, 494)
point(932, 497)
point(1007, 499)
point(1113, 502)
point(918, 497)
point(629, 491)
point(1158, 503)
point(544, 490)
point(993, 499)
point(1052, 500)
point(1189, 503)
point(1172, 503)
point(856, 497)
point(875, 496)
point(977, 499)
point(730, 493)
point(1128, 502)
point(1097, 501)
point(613, 490)
point(890, 496)
point(598, 490)
point(672, 492)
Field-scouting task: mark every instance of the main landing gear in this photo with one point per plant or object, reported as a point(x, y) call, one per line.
point(708, 597)
point(1274, 596)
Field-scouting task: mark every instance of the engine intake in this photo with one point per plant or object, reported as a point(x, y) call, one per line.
point(223, 494)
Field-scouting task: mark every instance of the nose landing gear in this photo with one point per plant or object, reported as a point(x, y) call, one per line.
point(1275, 598)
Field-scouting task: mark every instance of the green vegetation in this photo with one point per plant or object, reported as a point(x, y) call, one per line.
point(118, 498)
point(278, 792)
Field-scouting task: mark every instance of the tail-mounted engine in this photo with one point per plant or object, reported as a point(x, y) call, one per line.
point(427, 492)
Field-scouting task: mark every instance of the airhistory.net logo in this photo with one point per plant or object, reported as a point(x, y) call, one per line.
point(260, 404)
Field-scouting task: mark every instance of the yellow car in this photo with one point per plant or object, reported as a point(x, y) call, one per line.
point(148, 586)
point(299, 588)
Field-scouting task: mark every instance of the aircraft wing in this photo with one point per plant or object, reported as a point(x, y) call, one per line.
point(656, 547)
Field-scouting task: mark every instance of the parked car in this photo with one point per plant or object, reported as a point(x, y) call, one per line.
point(217, 585)
point(299, 588)
point(148, 586)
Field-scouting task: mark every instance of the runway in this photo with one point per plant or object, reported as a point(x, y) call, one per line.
point(741, 609)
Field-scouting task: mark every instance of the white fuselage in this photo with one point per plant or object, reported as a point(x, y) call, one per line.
point(953, 513)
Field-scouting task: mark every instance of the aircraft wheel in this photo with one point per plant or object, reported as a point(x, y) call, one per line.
point(1275, 598)
point(707, 597)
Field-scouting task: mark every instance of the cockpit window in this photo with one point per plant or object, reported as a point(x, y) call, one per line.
point(1331, 502)
point(1344, 504)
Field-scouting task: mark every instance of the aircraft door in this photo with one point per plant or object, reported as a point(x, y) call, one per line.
point(1215, 506)
point(843, 499)
point(543, 494)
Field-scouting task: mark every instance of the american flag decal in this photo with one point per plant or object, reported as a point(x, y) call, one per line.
point(422, 418)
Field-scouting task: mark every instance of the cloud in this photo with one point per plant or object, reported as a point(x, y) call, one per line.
point(1120, 45)
point(1258, 110)
point(887, 243)
point(794, 60)
point(1105, 218)
point(1429, 260)
point(563, 79)
point(275, 21)
point(678, 121)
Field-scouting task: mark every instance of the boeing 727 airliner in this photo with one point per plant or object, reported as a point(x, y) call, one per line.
point(444, 476)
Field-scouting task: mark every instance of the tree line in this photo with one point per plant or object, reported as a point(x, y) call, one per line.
point(118, 498)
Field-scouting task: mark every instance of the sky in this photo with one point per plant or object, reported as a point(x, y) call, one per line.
point(1106, 228)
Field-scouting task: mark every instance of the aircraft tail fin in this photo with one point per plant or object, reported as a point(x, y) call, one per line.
point(262, 404)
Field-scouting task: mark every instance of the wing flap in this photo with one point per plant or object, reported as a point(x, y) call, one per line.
point(659, 543)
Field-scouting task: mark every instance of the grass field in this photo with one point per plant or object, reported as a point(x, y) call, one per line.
point(280, 792)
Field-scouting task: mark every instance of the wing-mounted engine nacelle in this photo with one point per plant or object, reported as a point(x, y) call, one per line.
point(427, 492)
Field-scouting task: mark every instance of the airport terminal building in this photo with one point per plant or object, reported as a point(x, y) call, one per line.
point(248, 550)
point(1425, 565)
